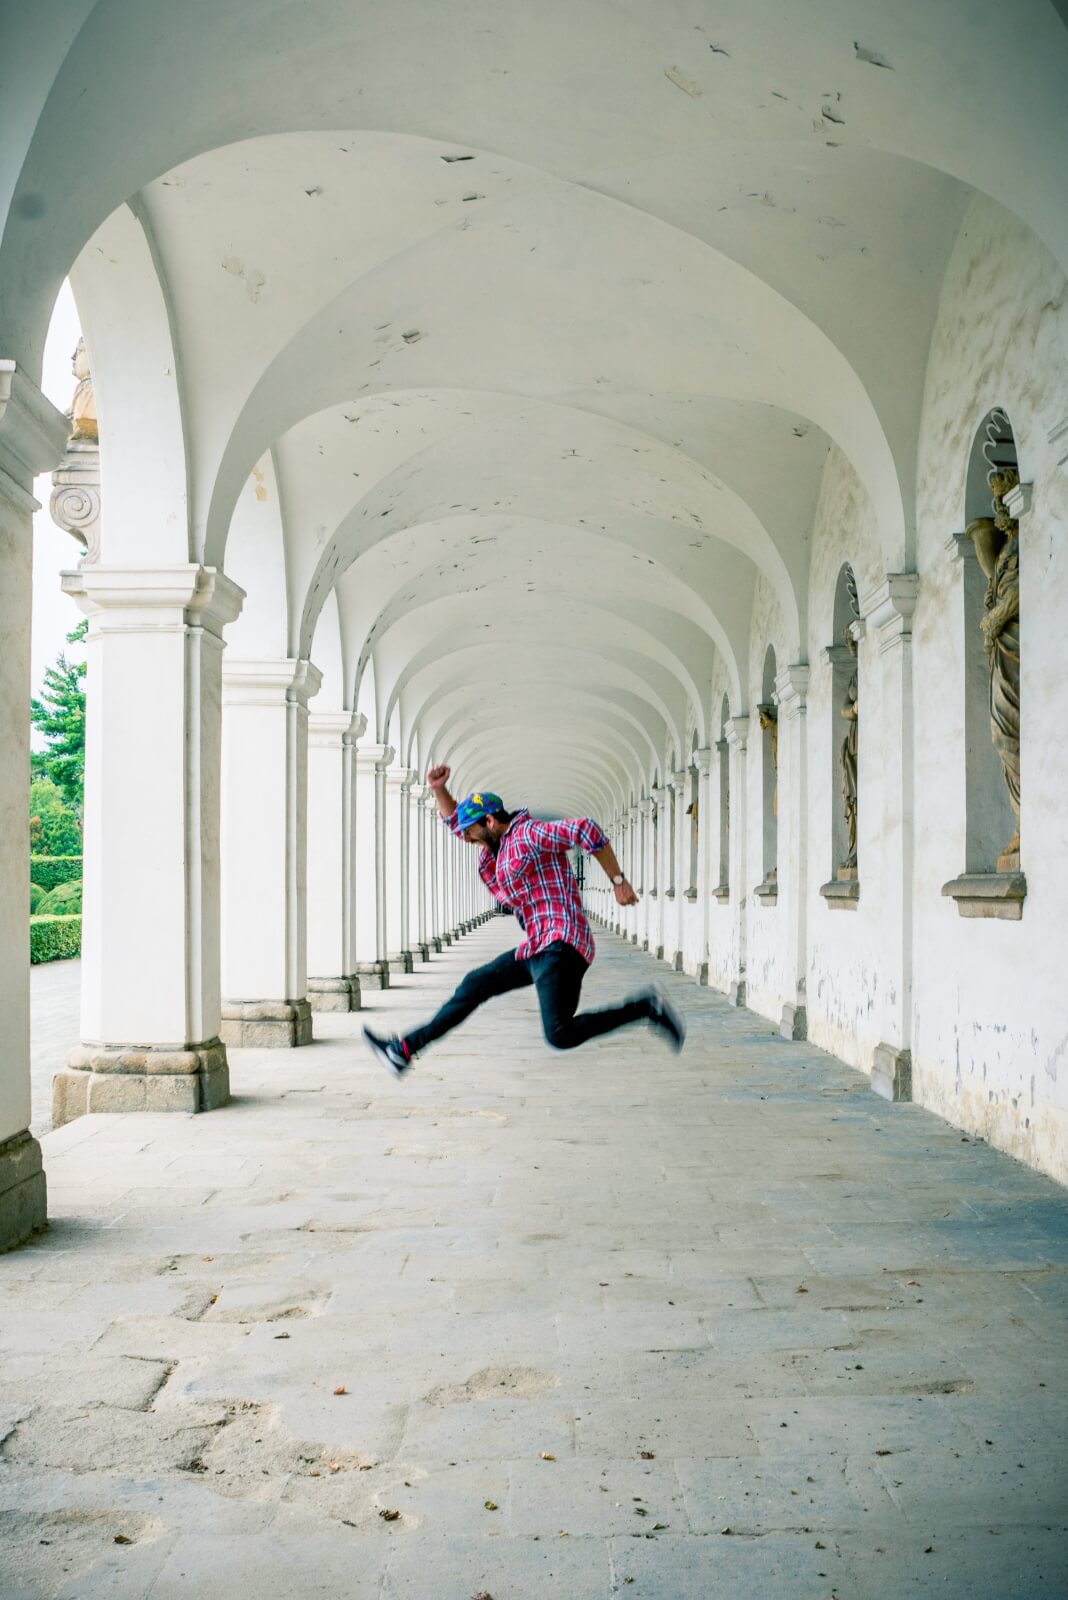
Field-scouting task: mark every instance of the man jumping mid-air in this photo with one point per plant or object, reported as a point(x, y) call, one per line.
point(524, 866)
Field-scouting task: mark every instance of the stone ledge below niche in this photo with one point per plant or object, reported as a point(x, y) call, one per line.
point(767, 892)
point(841, 894)
point(988, 894)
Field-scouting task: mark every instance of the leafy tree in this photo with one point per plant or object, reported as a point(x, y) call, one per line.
point(54, 826)
point(60, 716)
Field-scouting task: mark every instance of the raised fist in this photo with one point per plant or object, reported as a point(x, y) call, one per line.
point(438, 777)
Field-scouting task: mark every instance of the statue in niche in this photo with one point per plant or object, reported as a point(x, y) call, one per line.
point(997, 546)
point(769, 720)
point(848, 762)
point(83, 423)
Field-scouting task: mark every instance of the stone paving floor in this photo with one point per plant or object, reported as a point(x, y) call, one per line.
point(530, 1325)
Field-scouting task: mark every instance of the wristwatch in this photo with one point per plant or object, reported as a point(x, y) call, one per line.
point(618, 879)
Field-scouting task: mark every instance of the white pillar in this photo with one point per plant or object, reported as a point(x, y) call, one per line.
point(791, 687)
point(265, 845)
point(737, 732)
point(398, 783)
point(150, 925)
point(371, 963)
point(332, 983)
point(433, 843)
point(889, 609)
point(707, 856)
point(33, 437)
point(419, 870)
point(659, 842)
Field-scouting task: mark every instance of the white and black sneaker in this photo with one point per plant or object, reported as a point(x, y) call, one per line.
point(392, 1051)
point(662, 1014)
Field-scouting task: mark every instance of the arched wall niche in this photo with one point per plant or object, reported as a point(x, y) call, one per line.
point(991, 662)
point(722, 889)
point(842, 658)
point(768, 712)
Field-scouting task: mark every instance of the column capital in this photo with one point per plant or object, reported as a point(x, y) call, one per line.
point(702, 759)
point(378, 756)
point(644, 807)
point(332, 728)
point(357, 728)
point(659, 794)
point(791, 688)
point(267, 682)
point(737, 731)
point(142, 599)
point(679, 779)
point(33, 435)
point(890, 605)
point(400, 777)
point(421, 792)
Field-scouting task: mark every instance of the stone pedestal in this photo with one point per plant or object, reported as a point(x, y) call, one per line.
point(891, 1073)
point(794, 1022)
point(103, 1079)
point(151, 1017)
point(266, 1024)
point(22, 1190)
point(334, 994)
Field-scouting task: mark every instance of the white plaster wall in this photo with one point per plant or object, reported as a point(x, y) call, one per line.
point(846, 968)
point(990, 1023)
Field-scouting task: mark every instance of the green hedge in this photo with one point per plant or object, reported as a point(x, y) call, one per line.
point(55, 938)
point(65, 900)
point(48, 871)
point(37, 894)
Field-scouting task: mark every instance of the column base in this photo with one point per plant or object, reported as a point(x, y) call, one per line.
point(435, 945)
point(405, 960)
point(736, 993)
point(22, 1190)
point(373, 974)
point(794, 1024)
point(677, 961)
point(422, 952)
point(891, 1073)
point(700, 977)
point(334, 994)
point(266, 1024)
point(660, 952)
point(135, 1078)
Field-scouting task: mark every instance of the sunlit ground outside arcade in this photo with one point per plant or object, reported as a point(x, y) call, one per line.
point(656, 416)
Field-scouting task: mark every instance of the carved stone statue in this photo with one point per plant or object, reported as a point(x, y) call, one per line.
point(848, 760)
point(997, 546)
point(83, 424)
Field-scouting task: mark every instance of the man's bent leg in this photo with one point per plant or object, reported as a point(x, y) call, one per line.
point(558, 973)
point(483, 983)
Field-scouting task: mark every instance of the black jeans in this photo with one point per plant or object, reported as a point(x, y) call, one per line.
point(557, 973)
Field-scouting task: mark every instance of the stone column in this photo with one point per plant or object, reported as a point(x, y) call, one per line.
point(662, 799)
point(791, 687)
point(33, 436)
point(737, 733)
point(371, 963)
point(707, 846)
point(333, 984)
point(433, 830)
point(889, 609)
point(632, 913)
point(419, 857)
point(265, 851)
point(395, 802)
point(150, 924)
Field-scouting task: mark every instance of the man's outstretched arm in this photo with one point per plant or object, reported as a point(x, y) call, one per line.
point(438, 779)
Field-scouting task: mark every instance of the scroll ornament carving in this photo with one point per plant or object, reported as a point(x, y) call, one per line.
point(75, 501)
point(996, 541)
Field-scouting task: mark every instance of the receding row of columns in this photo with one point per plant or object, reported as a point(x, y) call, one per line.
point(248, 860)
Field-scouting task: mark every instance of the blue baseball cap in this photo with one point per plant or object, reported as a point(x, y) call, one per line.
point(477, 806)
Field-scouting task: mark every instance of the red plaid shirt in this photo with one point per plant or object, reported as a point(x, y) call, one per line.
point(531, 873)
